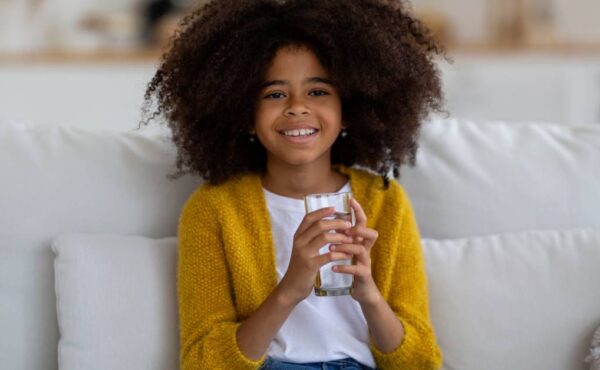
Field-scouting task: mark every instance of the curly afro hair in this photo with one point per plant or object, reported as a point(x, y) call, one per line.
point(379, 57)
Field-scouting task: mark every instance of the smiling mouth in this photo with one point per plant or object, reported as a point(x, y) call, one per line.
point(299, 133)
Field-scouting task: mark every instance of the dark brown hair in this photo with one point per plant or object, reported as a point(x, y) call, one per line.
point(380, 58)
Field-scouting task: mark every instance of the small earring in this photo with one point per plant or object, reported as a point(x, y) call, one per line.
point(344, 133)
point(251, 138)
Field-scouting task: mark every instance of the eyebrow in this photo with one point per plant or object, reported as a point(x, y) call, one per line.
point(308, 80)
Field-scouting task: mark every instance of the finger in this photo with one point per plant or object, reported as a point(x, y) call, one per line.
point(363, 232)
point(313, 216)
point(355, 270)
point(361, 217)
point(322, 226)
point(325, 258)
point(327, 238)
point(348, 269)
point(350, 249)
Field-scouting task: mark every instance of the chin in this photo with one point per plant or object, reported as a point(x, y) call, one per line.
point(299, 161)
point(298, 158)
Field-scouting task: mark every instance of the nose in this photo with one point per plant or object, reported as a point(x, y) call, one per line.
point(296, 107)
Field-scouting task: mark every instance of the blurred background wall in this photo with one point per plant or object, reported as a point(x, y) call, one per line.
point(86, 63)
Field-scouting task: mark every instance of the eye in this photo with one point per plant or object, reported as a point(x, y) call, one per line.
point(275, 95)
point(319, 93)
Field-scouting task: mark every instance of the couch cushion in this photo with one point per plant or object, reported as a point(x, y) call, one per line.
point(116, 302)
point(57, 179)
point(516, 301)
point(479, 178)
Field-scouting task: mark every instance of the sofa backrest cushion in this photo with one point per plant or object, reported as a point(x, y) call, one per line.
point(56, 180)
point(480, 178)
point(519, 301)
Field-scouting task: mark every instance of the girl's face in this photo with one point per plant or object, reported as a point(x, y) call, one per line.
point(299, 111)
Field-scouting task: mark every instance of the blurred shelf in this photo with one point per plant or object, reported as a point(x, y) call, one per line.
point(150, 55)
point(74, 56)
point(558, 49)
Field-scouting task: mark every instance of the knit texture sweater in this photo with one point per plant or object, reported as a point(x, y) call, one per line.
point(226, 269)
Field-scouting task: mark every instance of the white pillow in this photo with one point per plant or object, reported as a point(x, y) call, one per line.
point(116, 302)
point(483, 178)
point(516, 301)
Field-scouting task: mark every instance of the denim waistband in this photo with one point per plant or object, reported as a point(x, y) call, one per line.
point(343, 364)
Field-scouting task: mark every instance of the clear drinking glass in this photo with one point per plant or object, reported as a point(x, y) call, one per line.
point(328, 282)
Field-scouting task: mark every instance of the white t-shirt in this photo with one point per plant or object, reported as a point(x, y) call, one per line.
point(319, 329)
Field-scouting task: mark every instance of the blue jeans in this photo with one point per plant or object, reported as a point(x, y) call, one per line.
point(344, 364)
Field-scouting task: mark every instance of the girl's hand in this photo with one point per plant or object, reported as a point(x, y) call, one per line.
point(364, 289)
point(312, 234)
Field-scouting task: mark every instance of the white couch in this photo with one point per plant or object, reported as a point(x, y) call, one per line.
point(509, 215)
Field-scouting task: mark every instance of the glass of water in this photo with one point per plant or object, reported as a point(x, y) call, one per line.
point(328, 282)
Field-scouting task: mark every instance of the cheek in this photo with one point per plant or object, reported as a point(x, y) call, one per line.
point(266, 110)
point(262, 117)
point(334, 114)
point(333, 108)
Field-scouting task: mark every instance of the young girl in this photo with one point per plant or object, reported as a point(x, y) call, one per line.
point(271, 100)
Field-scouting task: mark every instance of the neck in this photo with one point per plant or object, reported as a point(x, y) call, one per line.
point(297, 181)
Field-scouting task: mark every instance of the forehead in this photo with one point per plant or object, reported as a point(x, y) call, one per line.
point(299, 62)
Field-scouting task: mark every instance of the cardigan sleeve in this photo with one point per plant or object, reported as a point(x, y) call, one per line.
point(408, 298)
point(207, 316)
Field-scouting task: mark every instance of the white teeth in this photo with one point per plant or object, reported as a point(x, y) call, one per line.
point(301, 132)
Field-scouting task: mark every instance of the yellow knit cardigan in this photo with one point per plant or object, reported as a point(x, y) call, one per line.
point(226, 269)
